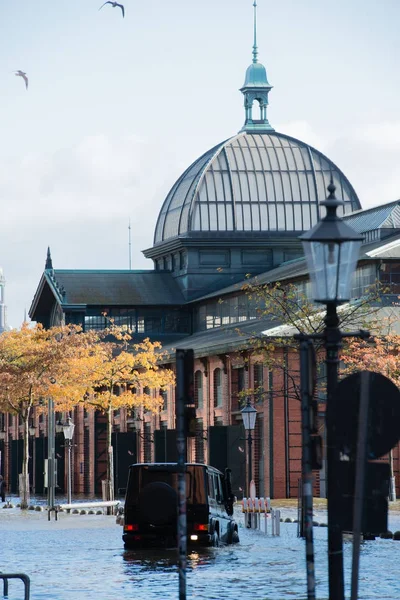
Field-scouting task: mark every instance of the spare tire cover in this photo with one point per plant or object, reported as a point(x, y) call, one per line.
point(158, 503)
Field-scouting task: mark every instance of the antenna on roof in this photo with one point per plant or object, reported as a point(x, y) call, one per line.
point(130, 245)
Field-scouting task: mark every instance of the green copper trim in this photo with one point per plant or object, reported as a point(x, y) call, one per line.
point(256, 89)
point(255, 49)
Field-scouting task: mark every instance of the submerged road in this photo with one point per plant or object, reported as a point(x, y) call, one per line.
point(81, 557)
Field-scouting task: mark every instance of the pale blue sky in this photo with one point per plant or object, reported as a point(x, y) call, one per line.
point(117, 108)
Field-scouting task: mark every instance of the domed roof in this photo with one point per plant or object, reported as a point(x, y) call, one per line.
point(253, 182)
point(256, 76)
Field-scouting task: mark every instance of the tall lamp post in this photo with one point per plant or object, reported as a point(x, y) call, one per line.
point(249, 414)
point(32, 432)
point(68, 431)
point(331, 249)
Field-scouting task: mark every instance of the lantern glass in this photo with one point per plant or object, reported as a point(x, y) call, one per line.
point(331, 264)
point(249, 415)
point(68, 429)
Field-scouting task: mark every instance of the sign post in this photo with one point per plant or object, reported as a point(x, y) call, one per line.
point(184, 398)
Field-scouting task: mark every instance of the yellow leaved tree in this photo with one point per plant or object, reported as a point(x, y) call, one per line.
point(123, 375)
point(36, 363)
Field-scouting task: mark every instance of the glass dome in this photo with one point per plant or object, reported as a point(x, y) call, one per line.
point(267, 182)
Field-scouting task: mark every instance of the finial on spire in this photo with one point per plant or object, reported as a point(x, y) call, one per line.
point(256, 89)
point(49, 262)
point(255, 49)
point(130, 245)
point(331, 189)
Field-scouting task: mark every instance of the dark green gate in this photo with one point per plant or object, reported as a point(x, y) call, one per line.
point(227, 449)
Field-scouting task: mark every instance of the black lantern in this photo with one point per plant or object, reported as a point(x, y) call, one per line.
point(249, 415)
point(331, 249)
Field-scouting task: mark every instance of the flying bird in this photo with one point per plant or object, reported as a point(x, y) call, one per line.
point(114, 4)
point(24, 77)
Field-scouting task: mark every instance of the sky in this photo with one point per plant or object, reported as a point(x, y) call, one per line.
point(118, 108)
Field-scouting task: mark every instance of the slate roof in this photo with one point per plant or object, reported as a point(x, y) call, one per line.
point(292, 268)
point(375, 218)
point(387, 248)
point(117, 287)
point(221, 339)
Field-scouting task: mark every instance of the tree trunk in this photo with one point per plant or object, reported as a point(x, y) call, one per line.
point(24, 476)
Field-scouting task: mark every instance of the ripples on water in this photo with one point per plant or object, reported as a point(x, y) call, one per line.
point(91, 564)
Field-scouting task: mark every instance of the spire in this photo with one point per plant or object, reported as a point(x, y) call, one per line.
point(256, 89)
point(49, 262)
point(255, 49)
point(130, 245)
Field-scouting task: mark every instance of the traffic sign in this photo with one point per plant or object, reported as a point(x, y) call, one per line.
point(383, 415)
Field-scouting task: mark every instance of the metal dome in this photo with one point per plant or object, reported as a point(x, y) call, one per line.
point(256, 76)
point(266, 182)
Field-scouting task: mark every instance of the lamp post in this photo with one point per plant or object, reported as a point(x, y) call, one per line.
point(32, 433)
point(68, 431)
point(249, 414)
point(331, 249)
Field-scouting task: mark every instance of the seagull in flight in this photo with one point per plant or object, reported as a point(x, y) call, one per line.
point(23, 75)
point(114, 4)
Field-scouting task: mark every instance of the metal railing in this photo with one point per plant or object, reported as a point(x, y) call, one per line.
point(24, 578)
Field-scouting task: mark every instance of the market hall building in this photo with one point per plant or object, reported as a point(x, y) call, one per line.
point(239, 209)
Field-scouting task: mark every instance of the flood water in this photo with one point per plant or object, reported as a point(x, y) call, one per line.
point(82, 557)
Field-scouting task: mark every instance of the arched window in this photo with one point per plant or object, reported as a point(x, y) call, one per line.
point(199, 442)
point(147, 442)
point(198, 389)
point(164, 396)
point(258, 375)
point(217, 387)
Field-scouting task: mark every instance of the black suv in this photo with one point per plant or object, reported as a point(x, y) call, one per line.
point(150, 513)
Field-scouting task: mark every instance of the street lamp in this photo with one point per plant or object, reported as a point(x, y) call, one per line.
point(331, 249)
point(249, 414)
point(68, 431)
point(32, 433)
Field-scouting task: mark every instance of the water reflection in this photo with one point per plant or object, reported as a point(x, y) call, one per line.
point(150, 559)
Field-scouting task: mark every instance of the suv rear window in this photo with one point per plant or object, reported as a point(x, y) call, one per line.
point(142, 475)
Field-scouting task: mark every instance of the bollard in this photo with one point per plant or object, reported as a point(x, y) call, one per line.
point(273, 522)
point(276, 521)
point(254, 514)
point(265, 523)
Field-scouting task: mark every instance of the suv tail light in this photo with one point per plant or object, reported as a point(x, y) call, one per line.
point(200, 527)
point(131, 527)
